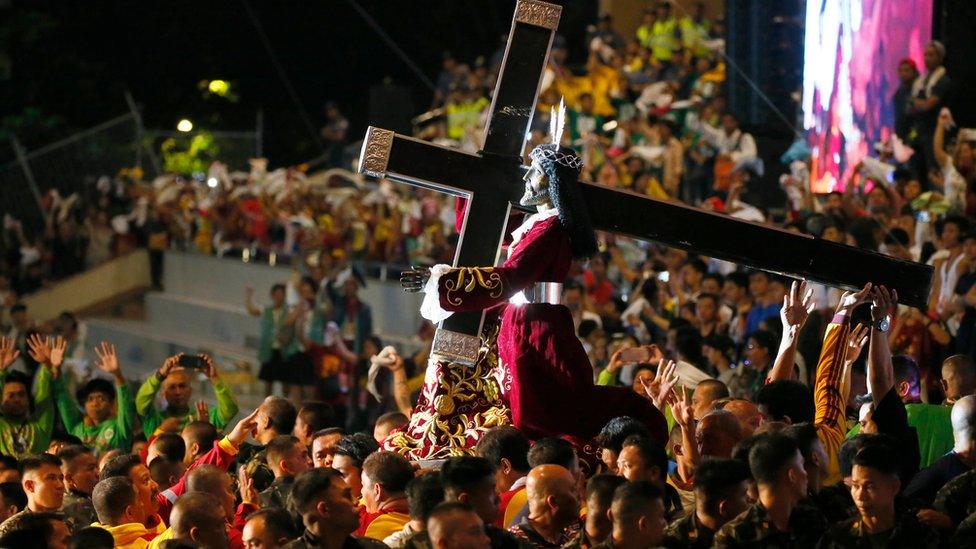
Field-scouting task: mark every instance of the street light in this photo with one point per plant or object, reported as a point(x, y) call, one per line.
point(184, 125)
point(218, 87)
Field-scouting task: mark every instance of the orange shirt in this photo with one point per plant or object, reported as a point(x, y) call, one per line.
point(830, 396)
point(389, 519)
point(511, 504)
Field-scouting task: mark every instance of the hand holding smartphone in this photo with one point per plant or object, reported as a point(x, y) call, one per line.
point(635, 354)
point(192, 362)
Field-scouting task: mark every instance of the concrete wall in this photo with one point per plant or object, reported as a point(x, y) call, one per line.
point(222, 281)
point(92, 288)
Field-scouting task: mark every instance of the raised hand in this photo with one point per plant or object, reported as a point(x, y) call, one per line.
point(246, 486)
point(108, 360)
point(211, 368)
point(856, 339)
point(615, 361)
point(656, 354)
point(39, 348)
point(414, 279)
point(883, 302)
point(243, 428)
point(797, 305)
point(203, 413)
point(168, 365)
point(8, 352)
point(850, 300)
point(57, 352)
point(660, 387)
point(682, 409)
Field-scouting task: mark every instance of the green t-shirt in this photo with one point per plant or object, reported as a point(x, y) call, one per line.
point(20, 438)
point(934, 426)
point(113, 433)
point(220, 415)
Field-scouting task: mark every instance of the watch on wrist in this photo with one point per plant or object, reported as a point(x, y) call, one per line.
point(883, 324)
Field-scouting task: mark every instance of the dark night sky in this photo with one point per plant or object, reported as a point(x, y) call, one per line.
point(73, 59)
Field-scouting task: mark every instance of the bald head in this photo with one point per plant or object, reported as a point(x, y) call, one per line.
point(545, 480)
point(958, 377)
point(551, 491)
point(707, 392)
point(964, 423)
point(746, 412)
point(718, 432)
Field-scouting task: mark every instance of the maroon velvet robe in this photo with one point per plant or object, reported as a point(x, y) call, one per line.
point(548, 377)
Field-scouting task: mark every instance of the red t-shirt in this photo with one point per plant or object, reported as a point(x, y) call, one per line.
point(600, 292)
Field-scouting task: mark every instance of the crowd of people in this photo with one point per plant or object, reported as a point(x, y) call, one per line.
point(773, 467)
point(798, 415)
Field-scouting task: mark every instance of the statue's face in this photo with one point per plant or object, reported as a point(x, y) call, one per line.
point(536, 186)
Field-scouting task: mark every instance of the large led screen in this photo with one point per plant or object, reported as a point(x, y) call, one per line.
point(850, 72)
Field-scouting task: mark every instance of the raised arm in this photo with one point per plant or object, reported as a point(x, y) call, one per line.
point(227, 407)
point(881, 374)
point(108, 362)
point(829, 401)
point(8, 353)
point(683, 412)
point(49, 353)
point(797, 306)
point(40, 349)
point(401, 394)
point(146, 396)
point(221, 455)
point(252, 309)
point(938, 140)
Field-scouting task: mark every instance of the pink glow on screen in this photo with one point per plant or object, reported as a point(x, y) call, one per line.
point(851, 56)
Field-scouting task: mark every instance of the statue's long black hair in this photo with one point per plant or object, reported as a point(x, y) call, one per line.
point(565, 194)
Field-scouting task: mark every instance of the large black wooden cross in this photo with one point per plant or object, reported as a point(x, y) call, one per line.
point(492, 182)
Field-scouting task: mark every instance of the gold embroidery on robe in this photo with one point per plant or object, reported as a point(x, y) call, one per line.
point(468, 279)
point(456, 410)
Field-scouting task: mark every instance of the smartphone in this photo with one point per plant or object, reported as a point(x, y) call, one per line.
point(635, 354)
point(192, 362)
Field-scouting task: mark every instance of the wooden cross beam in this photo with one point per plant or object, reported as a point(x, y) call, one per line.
point(491, 180)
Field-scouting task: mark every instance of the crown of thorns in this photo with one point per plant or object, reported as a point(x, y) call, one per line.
point(550, 154)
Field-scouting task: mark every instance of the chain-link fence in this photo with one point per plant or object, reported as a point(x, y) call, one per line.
point(67, 165)
point(75, 163)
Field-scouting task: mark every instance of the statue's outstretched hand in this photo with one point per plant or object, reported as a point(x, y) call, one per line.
point(414, 279)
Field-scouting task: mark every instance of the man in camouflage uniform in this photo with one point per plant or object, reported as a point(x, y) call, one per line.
point(80, 468)
point(965, 537)
point(777, 519)
point(43, 483)
point(874, 485)
point(598, 526)
point(957, 499)
point(287, 457)
point(835, 501)
point(908, 532)
point(721, 487)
